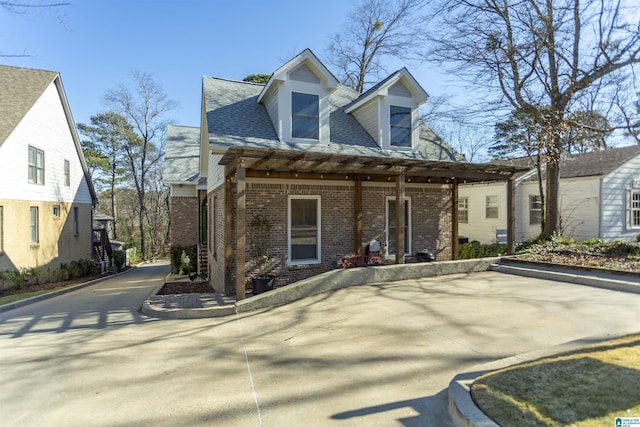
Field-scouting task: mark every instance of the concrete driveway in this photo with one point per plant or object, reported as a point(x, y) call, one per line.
point(375, 355)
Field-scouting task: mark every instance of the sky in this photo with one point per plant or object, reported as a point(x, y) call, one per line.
point(95, 44)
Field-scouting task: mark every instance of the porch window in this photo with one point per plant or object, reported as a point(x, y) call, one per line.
point(492, 207)
point(304, 229)
point(400, 126)
point(33, 225)
point(305, 116)
point(535, 209)
point(67, 173)
point(391, 226)
point(36, 166)
point(463, 210)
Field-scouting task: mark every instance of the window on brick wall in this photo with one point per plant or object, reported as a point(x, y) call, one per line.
point(214, 228)
point(463, 210)
point(304, 229)
point(34, 225)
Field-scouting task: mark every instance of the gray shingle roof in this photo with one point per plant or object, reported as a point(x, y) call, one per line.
point(182, 151)
point(235, 119)
point(596, 163)
point(20, 88)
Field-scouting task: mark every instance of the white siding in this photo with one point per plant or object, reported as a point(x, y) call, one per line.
point(183, 190)
point(614, 188)
point(304, 74)
point(272, 110)
point(480, 227)
point(44, 127)
point(215, 174)
point(579, 207)
point(368, 117)
point(399, 89)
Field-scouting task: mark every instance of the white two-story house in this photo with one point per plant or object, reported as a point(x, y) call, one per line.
point(46, 194)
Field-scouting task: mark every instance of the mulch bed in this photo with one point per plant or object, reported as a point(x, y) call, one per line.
point(171, 288)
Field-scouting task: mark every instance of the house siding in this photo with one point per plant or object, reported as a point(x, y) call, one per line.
point(57, 242)
point(368, 117)
point(614, 204)
point(44, 127)
point(479, 227)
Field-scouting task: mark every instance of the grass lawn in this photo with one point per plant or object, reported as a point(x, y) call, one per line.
point(588, 387)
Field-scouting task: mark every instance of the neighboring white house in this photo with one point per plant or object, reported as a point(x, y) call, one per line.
point(599, 197)
point(46, 194)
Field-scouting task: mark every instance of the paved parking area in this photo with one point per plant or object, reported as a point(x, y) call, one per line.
point(375, 355)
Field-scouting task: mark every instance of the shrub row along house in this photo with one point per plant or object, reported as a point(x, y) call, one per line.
point(328, 169)
point(599, 197)
point(46, 194)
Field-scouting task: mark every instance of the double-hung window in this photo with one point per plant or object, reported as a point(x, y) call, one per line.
point(304, 229)
point(400, 121)
point(305, 116)
point(463, 210)
point(76, 219)
point(535, 209)
point(34, 225)
point(492, 210)
point(36, 166)
point(634, 220)
point(391, 226)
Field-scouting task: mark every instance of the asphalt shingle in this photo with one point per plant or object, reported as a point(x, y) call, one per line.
point(182, 151)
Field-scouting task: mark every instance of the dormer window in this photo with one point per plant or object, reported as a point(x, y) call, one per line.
point(305, 115)
point(400, 121)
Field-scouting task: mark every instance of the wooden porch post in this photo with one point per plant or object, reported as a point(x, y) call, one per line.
point(241, 186)
point(455, 246)
point(511, 217)
point(228, 223)
point(357, 211)
point(400, 237)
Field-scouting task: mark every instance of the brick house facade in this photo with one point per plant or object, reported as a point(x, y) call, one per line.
point(327, 167)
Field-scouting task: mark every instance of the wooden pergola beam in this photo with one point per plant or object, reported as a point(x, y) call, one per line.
point(400, 214)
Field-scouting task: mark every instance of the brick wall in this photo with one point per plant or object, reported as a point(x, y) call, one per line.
point(183, 213)
point(430, 216)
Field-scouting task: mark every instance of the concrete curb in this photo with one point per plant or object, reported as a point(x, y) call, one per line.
point(325, 282)
point(464, 411)
point(37, 298)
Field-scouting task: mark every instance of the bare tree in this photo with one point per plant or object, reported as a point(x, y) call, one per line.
point(538, 56)
point(375, 30)
point(144, 106)
point(22, 7)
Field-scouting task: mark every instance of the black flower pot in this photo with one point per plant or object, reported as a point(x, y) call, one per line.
point(262, 284)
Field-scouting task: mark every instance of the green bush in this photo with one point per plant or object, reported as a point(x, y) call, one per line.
point(118, 259)
point(475, 249)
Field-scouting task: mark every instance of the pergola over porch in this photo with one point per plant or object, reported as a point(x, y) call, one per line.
point(243, 163)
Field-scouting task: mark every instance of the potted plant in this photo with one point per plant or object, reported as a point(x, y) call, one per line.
point(260, 242)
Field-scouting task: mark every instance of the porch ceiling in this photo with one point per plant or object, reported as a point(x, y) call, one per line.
point(290, 164)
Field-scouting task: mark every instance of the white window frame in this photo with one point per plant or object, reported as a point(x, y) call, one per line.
point(535, 199)
point(76, 220)
point(56, 211)
point(34, 225)
point(293, 116)
point(493, 204)
point(463, 206)
point(67, 173)
point(391, 251)
point(36, 166)
point(317, 259)
point(409, 129)
point(633, 209)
